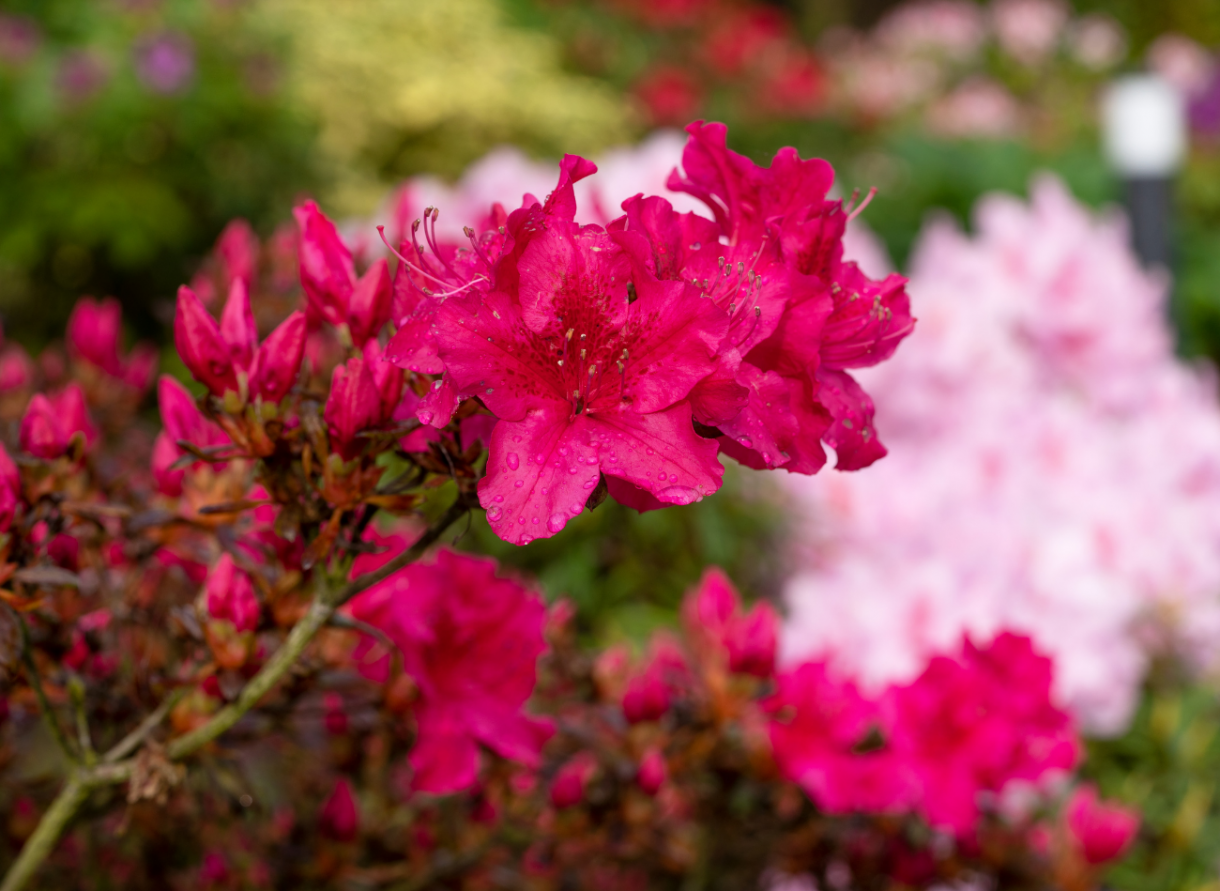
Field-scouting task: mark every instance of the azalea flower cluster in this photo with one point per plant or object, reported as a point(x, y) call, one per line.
point(1035, 407)
point(637, 351)
point(241, 618)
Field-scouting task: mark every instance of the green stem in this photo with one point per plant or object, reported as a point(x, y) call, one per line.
point(112, 771)
point(39, 845)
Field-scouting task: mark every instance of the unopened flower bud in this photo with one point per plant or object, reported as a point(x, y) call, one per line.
point(201, 346)
point(568, 787)
point(327, 274)
point(371, 299)
point(646, 697)
point(652, 772)
point(279, 360)
point(50, 423)
point(339, 818)
point(230, 595)
point(751, 641)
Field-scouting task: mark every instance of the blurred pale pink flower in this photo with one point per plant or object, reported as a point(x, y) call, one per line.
point(977, 108)
point(1097, 41)
point(1053, 469)
point(1028, 30)
point(953, 28)
point(1182, 62)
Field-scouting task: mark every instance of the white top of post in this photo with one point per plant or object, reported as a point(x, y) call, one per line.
point(1144, 126)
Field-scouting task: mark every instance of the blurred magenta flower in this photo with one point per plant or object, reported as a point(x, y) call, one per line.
point(339, 818)
point(470, 641)
point(1103, 830)
point(52, 423)
point(165, 63)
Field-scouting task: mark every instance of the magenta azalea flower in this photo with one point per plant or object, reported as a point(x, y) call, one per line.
point(470, 640)
point(587, 360)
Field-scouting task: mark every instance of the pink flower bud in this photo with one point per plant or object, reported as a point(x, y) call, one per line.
point(16, 369)
point(653, 772)
point(214, 870)
point(387, 377)
point(50, 423)
point(751, 641)
point(370, 303)
point(237, 326)
point(182, 421)
point(354, 404)
point(646, 697)
point(10, 489)
point(709, 607)
point(335, 718)
point(93, 333)
point(230, 595)
point(202, 347)
point(339, 818)
point(279, 360)
point(327, 274)
point(1103, 830)
point(237, 249)
point(568, 787)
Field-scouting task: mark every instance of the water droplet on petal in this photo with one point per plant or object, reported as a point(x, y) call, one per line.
point(534, 521)
point(425, 416)
point(576, 507)
point(512, 460)
point(555, 523)
point(499, 499)
point(493, 513)
point(517, 485)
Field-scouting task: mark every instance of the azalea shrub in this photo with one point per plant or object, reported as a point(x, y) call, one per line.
point(239, 651)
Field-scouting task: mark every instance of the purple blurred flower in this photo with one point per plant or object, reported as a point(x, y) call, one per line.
point(165, 62)
point(82, 73)
point(19, 39)
point(1205, 108)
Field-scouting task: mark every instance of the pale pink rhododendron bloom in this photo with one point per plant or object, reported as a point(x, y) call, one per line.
point(227, 357)
point(469, 639)
point(1029, 418)
point(52, 423)
point(95, 335)
point(1102, 830)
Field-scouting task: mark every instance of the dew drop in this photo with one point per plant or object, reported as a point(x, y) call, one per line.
point(512, 460)
point(555, 523)
point(425, 416)
point(535, 521)
point(493, 513)
point(499, 499)
point(521, 520)
point(518, 484)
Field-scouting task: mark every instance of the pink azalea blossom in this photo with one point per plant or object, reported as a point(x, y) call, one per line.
point(227, 358)
point(469, 640)
point(977, 722)
point(818, 723)
point(586, 359)
point(51, 423)
point(1102, 830)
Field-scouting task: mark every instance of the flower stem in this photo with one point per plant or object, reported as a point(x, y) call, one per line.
point(52, 824)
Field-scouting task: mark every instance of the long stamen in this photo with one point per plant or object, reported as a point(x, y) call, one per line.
point(863, 204)
point(478, 248)
point(402, 259)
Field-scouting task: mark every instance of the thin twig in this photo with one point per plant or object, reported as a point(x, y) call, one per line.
point(44, 704)
point(131, 741)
